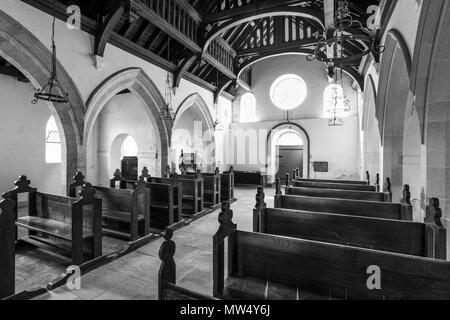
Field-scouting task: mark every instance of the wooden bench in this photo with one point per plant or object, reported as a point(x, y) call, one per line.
point(193, 194)
point(167, 288)
point(166, 200)
point(412, 238)
point(125, 212)
point(263, 266)
point(7, 248)
point(383, 210)
point(343, 194)
point(227, 185)
point(329, 185)
point(248, 178)
point(70, 226)
point(212, 188)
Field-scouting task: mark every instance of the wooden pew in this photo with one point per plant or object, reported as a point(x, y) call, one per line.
point(248, 178)
point(212, 189)
point(342, 194)
point(7, 248)
point(166, 200)
point(329, 185)
point(70, 226)
point(227, 185)
point(125, 212)
point(383, 210)
point(193, 194)
point(167, 288)
point(364, 183)
point(412, 238)
point(263, 266)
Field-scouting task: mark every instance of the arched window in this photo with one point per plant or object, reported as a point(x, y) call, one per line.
point(52, 142)
point(333, 100)
point(290, 138)
point(288, 92)
point(129, 147)
point(248, 108)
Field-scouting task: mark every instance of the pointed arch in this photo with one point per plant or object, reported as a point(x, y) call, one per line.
point(196, 104)
point(138, 82)
point(33, 59)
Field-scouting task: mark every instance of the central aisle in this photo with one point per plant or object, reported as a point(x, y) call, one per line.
point(135, 276)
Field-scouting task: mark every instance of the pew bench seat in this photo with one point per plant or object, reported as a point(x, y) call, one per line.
point(246, 288)
point(117, 215)
point(162, 205)
point(51, 227)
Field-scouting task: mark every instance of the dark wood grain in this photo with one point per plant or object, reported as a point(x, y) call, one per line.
point(339, 194)
point(7, 248)
point(329, 185)
point(372, 209)
point(396, 236)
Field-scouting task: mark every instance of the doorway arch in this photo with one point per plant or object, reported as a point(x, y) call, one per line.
point(192, 109)
point(136, 81)
point(272, 139)
point(33, 59)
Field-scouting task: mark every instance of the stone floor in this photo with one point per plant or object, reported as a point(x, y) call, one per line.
point(36, 267)
point(135, 276)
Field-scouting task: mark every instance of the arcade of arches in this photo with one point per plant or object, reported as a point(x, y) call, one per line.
point(396, 126)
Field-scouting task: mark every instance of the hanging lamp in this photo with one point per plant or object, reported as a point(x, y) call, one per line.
point(167, 114)
point(52, 91)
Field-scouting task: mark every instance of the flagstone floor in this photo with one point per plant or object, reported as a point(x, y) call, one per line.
point(135, 276)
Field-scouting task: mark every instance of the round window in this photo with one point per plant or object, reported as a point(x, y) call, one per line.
point(288, 92)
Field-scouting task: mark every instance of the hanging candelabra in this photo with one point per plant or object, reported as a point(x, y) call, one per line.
point(339, 36)
point(52, 91)
point(336, 102)
point(168, 114)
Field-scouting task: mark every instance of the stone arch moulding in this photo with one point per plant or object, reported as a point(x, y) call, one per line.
point(138, 82)
point(270, 149)
point(388, 69)
point(196, 101)
point(23, 50)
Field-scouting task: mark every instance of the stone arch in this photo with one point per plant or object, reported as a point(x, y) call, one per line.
point(137, 81)
point(23, 50)
point(371, 132)
point(431, 88)
point(195, 103)
point(272, 139)
point(392, 105)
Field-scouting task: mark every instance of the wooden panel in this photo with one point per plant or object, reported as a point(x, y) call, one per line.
point(324, 268)
point(342, 206)
point(364, 183)
point(328, 185)
point(339, 194)
point(371, 233)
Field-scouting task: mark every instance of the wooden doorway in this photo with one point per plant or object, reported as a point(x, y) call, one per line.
point(289, 154)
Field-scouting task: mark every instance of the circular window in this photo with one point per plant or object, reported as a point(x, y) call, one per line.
point(288, 92)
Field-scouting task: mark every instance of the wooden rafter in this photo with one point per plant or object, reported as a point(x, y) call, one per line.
point(103, 35)
point(182, 69)
point(247, 9)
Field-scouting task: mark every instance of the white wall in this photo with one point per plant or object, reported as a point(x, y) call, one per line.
point(22, 143)
point(123, 116)
point(313, 73)
point(337, 145)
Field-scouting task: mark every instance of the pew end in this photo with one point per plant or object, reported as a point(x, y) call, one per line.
point(167, 288)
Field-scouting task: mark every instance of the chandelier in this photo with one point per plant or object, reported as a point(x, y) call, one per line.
point(52, 92)
point(339, 36)
point(336, 102)
point(168, 114)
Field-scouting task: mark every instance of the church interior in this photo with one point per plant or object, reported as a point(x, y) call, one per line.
point(225, 150)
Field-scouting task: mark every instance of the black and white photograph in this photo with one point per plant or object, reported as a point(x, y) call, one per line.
point(224, 158)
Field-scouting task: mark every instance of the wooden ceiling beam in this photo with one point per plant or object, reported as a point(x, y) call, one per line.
point(105, 31)
point(247, 9)
point(148, 14)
